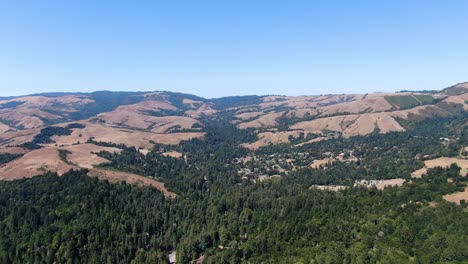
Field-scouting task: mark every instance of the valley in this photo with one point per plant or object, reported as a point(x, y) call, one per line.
point(254, 179)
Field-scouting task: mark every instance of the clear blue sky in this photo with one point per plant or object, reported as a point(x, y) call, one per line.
point(220, 48)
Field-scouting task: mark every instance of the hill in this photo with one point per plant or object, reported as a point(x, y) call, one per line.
point(147, 119)
point(145, 177)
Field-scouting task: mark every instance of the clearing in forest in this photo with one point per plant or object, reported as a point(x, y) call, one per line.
point(442, 162)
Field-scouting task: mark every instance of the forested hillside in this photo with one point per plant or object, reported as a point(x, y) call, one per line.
point(78, 219)
point(145, 177)
point(219, 216)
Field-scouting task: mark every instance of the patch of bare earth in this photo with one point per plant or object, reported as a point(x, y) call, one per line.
point(267, 138)
point(351, 125)
point(457, 197)
point(84, 155)
point(311, 141)
point(15, 138)
point(130, 178)
point(139, 116)
point(129, 137)
point(34, 163)
point(204, 109)
point(387, 183)
point(442, 162)
point(173, 154)
point(267, 120)
point(38, 161)
point(322, 162)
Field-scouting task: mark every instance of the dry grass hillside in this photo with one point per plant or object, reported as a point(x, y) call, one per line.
point(142, 120)
point(348, 115)
point(131, 119)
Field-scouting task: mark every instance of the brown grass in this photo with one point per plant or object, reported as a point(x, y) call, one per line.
point(458, 99)
point(204, 109)
point(317, 163)
point(34, 163)
point(442, 162)
point(3, 128)
point(351, 125)
point(136, 116)
point(27, 118)
point(166, 123)
point(267, 120)
point(248, 115)
point(301, 113)
point(129, 137)
point(38, 161)
point(41, 101)
point(130, 178)
point(364, 113)
point(273, 98)
point(267, 138)
point(311, 141)
point(19, 137)
point(387, 183)
point(13, 150)
point(457, 197)
point(83, 154)
point(29, 114)
point(376, 104)
point(191, 103)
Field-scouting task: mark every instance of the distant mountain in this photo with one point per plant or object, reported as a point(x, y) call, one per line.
point(145, 119)
point(457, 89)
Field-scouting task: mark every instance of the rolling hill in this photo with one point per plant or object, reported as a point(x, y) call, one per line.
point(259, 178)
point(47, 124)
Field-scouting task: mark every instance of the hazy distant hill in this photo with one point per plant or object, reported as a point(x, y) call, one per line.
point(167, 118)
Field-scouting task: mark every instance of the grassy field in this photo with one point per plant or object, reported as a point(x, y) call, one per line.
point(406, 101)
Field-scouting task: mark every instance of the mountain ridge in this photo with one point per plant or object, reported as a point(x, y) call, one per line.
point(57, 122)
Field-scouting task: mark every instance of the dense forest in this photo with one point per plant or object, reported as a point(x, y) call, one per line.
point(78, 219)
point(227, 219)
point(7, 157)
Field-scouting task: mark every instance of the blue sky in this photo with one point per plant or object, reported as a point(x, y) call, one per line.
point(221, 48)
